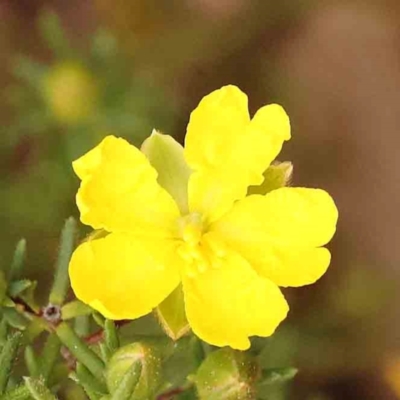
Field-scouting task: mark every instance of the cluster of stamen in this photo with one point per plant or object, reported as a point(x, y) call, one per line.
point(197, 248)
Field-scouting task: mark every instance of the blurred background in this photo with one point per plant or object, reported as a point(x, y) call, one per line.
point(73, 72)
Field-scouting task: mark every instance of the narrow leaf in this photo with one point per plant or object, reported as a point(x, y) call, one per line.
point(53, 34)
point(50, 354)
point(80, 350)
point(87, 379)
point(75, 309)
point(7, 357)
point(111, 335)
point(31, 362)
point(18, 260)
point(17, 287)
point(61, 279)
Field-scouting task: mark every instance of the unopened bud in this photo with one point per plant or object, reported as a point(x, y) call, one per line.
point(123, 373)
point(276, 176)
point(227, 374)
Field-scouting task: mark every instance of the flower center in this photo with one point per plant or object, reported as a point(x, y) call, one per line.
point(192, 249)
point(199, 249)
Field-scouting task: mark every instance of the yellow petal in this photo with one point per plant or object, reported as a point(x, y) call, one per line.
point(280, 233)
point(119, 191)
point(123, 277)
point(227, 304)
point(227, 151)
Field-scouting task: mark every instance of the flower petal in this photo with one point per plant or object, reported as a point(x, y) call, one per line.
point(227, 151)
point(280, 233)
point(123, 277)
point(119, 191)
point(227, 304)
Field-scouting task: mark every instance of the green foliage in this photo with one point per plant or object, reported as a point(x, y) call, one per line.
point(64, 340)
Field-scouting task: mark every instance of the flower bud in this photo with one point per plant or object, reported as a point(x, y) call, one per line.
point(276, 176)
point(227, 374)
point(70, 92)
point(124, 361)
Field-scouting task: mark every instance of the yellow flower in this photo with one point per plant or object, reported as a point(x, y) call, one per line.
point(70, 92)
point(230, 252)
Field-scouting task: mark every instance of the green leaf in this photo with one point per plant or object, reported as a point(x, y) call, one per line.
point(166, 156)
point(227, 374)
point(28, 296)
point(14, 318)
point(75, 309)
point(7, 357)
point(18, 260)
point(111, 336)
point(80, 350)
point(61, 279)
point(53, 33)
point(276, 176)
point(17, 287)
point(88, 381)
point(31, 362)
point(172, 316)
point(3, 287)
point(49, 356)
point(38, 390)
point(17, 393)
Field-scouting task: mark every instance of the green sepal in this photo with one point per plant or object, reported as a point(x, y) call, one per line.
point(172, 316)
point(273, 376)
point(123, 361)
point(276, 176)
point(166, 155)
point(129, 382)
point(227, 374)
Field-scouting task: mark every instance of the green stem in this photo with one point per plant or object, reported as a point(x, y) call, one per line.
point(7, 357)
point(80, 350)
